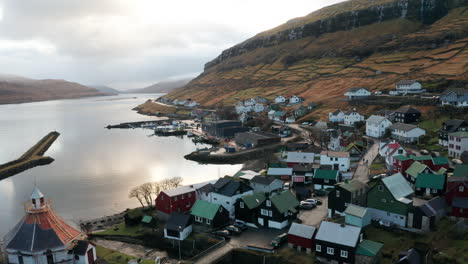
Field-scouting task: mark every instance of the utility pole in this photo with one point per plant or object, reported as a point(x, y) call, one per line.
point(180, 256)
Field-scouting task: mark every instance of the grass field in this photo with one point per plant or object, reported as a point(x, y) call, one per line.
point(114, 257)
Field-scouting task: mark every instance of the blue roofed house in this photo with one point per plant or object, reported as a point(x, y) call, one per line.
point(357, 216)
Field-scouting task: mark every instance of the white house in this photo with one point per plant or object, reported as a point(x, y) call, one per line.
point(357, 93)
point(280, 99)
point(271, 114)
point(376, 126)
point(457, 143)
point(406, 133)
point(455, 97)
point(351, 117)
point(42, 237)
point(178, 227)
point(258, 108)
point(226, 192)
point(280, 172)
point(290, 119)
point(335, 141)
point(389, 150)
point(265, 184)
point(243, 117)
point(240, 108)
point(294, 99)
point(338, 160)
point(250, 102)
point(337, 116)
point(191, 103)
point(409, 87)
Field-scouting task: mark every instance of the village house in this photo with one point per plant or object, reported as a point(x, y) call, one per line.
point(253, 139)
point(356, 93)
point(310, 106)
point(246, 208)
point(334, 144)
point(271, 114)
point(209, 214)
point(457, 143)
point(281, 130)
point(177, 200)
point(294, 158)
point(455, 97)
point(250, 102)
point(369, 252)
point(301, 237)
point(42, 236)
point(326, 178)
point(226, 191)
point(303, 174)
point(408, 87)
point(223, 128)
point(191, 104)
point(178, 227)
point(406, 133)
point(258, 108)
point(355, 150)
point(376, 126)
point(261, 100)
point(451, 126)
point(337, 116)
point(265, 184)
point(357, 216)
point(407, 114)
point(300, 111)
point(437, 164)
point(347, 192)
point(426, 216)
point(337, 243)
point(390, 200)
point(280, 99)
point(290, 118)
point(244, 117)
point(389, 114)
point(350, 117)
point(429, 185)
point(278, 210)
point(418, 255)
point(280, 173)
point(279, 116)
point(338, 160)
point(457, 191)
point(241, 108)
point(415, 170)
point(389, 150)
point(295, 99)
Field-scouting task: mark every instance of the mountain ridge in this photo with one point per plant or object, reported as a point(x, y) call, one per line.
point(163, 86)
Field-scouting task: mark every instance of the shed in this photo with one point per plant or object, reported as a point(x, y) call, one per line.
point(302, 237)
point(369, 252)
point(178, 227)
point(357, 216)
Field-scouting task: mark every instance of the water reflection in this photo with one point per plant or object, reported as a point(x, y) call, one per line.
point(94, 168)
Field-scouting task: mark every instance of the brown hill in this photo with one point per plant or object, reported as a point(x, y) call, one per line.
point(14, 89)
point(355, 43)
point(163, 87)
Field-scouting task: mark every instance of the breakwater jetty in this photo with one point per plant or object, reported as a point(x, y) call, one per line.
point(31, 158)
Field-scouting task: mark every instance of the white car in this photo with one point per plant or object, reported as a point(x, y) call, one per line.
point(305, 123)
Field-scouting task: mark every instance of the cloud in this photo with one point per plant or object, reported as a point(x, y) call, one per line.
point(121, 41)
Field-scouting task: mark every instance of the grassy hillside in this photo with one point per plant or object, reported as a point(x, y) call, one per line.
point(321, 68)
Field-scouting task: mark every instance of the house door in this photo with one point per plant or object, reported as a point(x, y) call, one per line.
point(428, 191)
point(90, 256)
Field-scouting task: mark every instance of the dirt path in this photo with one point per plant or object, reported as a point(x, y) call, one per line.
point(362, 170)
point(136, 251)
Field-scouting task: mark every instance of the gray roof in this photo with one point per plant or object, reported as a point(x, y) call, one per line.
point(398, 186)
point(375, 119)
point(280, 171)
point(406, 82)
point(432, 207)
point(356, 210)
point(355, 89)
point(407, 110)
point(460, 202)
point(31, 237)
point(402, 126)
point(262, 180)
point(338, 234)
point(301, 230)
point(453, 124)
point(300, 157)
point(178, 221)
point(229, 187)
point(179, 190)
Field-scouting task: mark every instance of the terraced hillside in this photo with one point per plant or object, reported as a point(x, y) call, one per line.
point(357, 43)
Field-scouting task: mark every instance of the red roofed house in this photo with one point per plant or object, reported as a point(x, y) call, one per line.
point(390, 150)
point(177, 200)
point(43, 237)
point(301, 237)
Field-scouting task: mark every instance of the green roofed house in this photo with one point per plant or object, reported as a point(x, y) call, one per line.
point(246, 208)
point(461, 170)
point(326, 178)
point(390, 200)
point(368, 252)
point(414, 170)
point(148, 221)
point(278, 210)
point(344, 193)
point(209, 214)
point(357, 216)
point(430, 185)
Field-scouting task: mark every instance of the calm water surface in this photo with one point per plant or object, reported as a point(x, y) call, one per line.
point(94, 167)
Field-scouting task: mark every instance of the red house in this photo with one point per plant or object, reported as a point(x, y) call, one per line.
point(178, 200)
point(301, 237)
point(401, 163)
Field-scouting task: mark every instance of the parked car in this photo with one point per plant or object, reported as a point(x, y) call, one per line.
point(424, 152)
point(279, 240)
point(313, 201)
point(306, 206)
point(234, 230)
point(305, 123)
point(321, 192)
point(240, 225)
point(286, 186)
point(223, 233)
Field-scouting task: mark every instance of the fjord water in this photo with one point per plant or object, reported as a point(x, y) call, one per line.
point(94, 167)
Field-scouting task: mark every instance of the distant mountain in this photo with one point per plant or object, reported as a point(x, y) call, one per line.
point(105, 89)
point(163, 87)
point(17, 89)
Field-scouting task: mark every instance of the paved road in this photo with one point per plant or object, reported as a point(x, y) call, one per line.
point(315, 216)
point(362, 170)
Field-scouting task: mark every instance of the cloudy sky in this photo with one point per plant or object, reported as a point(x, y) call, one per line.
point(130, 43)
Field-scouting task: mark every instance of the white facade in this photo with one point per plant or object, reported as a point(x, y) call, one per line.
point(227, 202)
point(243, 109)
point(290, 120)
point(335, 143)
point(280, 99)
point(182, 235)
point(387, 217)
point(259, 108)
point(271, 114)
point(457, 144)
point(357, 93)
point(294, 99)
point(191, 104)
point(278, 225)
point(408, 87)
point(352, 117)
point(336, 159)
point(249, 102)
point(408, 136)
point(275, 185)
point(337, 116)
point(376, 126)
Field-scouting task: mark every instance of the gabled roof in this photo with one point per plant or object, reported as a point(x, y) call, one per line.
point(229, 187)
point(453, 124)
point(347, 235)
point(369, 248)
point(433, 206)
point(460, 202)
point(301, 230)
point(375, 119)
point(355, 89)
point(416, 168)
point(462, 134)
point(433, 181)
point(254, 200)
point(179, 190)
point(326, 174)
point(403, 126)
point(407, 110)
point(355, 146)
point(279, 171)
point(461, 170)
point(402, 158)
point(421, 158)
point(398, 186)
point(337, 112)
point(337, 154)
point(178, 221)
point(406, 82)
point(262, 180)
point(352, 185)
point(205, 209)
point(300, 157)
point(356, 210)
point(284, 201)
point(457, 91)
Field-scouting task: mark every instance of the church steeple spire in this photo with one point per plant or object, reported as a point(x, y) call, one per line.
point(37, 199)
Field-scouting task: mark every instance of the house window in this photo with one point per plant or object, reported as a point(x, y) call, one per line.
point(50, 258)
point(175, 198)
point(264, 212)
point(268, 203)
point(187, 205)
point(318, 248)
point(270, 213)
point(337, 193)
point(285, 214)
point(227, 202)
point(162, 197)
point(461, 188)
point(330, 250)
point(182, 197)
point(434, 190)
point(326, 181)
point(215, 198)
point(20, 259)
point(208, 221)
point(384, 200)
point(189, 195)
point(344, 254)
point(198, 219)
point(241, 204)
point(380, 188)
